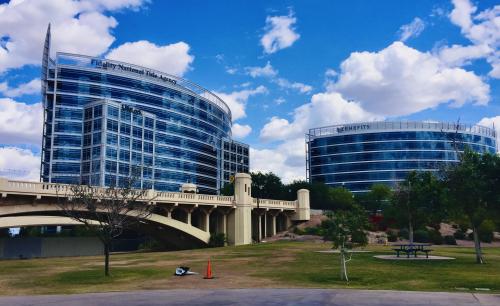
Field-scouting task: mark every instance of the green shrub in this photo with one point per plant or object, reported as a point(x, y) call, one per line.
point(298, 231)
point(435, 237)
point(313, 231)
point(217, 240)
point(450, 240)
point(486, 231)
point(359, 237)
point(421, 235)
point(403, 233)
point(459, 235)
point(392, 236)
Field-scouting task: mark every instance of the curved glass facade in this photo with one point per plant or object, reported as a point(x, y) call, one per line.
point(359, 155)
point(105, 120)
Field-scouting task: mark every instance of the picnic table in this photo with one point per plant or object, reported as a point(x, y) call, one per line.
point(412, 248)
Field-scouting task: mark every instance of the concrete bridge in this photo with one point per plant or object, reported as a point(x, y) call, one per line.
point(181, 218)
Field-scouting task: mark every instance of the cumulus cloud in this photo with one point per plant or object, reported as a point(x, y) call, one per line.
point(29, 88)
point(412, 29)
point(400, 80)
point(482, 29)
point(173, 59)
point(241, 131)
point(19, 164)
point(20, 123)
point(286, 160)
point(237, 100)
point(77, 26)
point(324, 109)
point(280, 33)
point(458, 55)
point(286, 84)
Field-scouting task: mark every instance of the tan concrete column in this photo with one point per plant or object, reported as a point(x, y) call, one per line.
point(260, 226)
point(265, 224)
point(240, 220)
point(207, 220)
point(224, 223)
point(302, 211)
point(273, 225)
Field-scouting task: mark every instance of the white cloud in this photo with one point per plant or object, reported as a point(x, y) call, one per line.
point(279, 100)
point(20, 123)
point(231, 70)
point(287, 160)
point(286, 84)
point(19, 164)
point(458, 55)
point(241, 131)
point(280, 33)
point(29, 88)
point(400, 80)
point(492, 122)
point(237, 100)
point(412, 29)
point(482, 29)
point(266, 71)
point(173, 59)
point(77, 26)
point(324, 109)
point(331, 73)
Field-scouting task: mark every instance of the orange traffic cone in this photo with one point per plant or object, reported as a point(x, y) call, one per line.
point(209, 271)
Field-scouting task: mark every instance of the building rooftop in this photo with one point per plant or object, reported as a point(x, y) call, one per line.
point(379, 126)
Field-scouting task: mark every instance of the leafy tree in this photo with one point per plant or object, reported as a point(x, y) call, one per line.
point(266, 185)
point(227, 190)
point(417, 201)
point(473, 186)
point(378, 197)
point(341, 227)
point(340, 198)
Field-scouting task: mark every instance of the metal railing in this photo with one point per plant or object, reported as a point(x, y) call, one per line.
point(375, 126)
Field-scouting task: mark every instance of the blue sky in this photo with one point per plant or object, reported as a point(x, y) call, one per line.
point(282, 66)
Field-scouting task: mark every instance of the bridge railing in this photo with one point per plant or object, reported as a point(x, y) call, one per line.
point(275, 204)
point(54, 190)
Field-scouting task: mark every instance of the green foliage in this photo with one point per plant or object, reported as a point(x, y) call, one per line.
point(459, 234)
point(342, 225)
point(266, 185)
point(377, 198)
point(450, 240)
point(392, 236)
point(486, 231)
point(421, 235)
point(359, 238)
point(217, 240)
point(418, 201)
point(227, 190)
point(403, 233)
point(435, 237)
point(318, 231)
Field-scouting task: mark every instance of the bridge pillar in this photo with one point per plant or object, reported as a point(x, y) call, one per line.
point(240, 220)
point(303, 212)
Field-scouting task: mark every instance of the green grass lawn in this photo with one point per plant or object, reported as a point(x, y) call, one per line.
point(273, 265)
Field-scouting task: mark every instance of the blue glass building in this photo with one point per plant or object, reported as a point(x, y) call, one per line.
point(106, 121)
point(362, 154)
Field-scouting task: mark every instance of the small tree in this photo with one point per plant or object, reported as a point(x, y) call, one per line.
point(340, 227)
point(418, 201)
point(378, 196)
point(106, 211)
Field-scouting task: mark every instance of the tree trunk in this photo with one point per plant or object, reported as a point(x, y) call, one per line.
point(477, 245)
point(410, 232)
point(106, 258)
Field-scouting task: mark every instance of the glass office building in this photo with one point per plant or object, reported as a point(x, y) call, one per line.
point(362, 154)
point(106, 121)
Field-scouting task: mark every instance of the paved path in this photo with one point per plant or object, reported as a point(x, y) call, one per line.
point(221, 297)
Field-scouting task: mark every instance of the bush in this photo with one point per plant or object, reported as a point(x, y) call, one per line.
point(217, 240)
point(450, 240)
point(298, 231)
point(486, 231)
point(313, 231)
point(459, 235)
point(435, 237)
point(359, 237)
point(392, 236)
point(421, 236)
point(403, 233)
